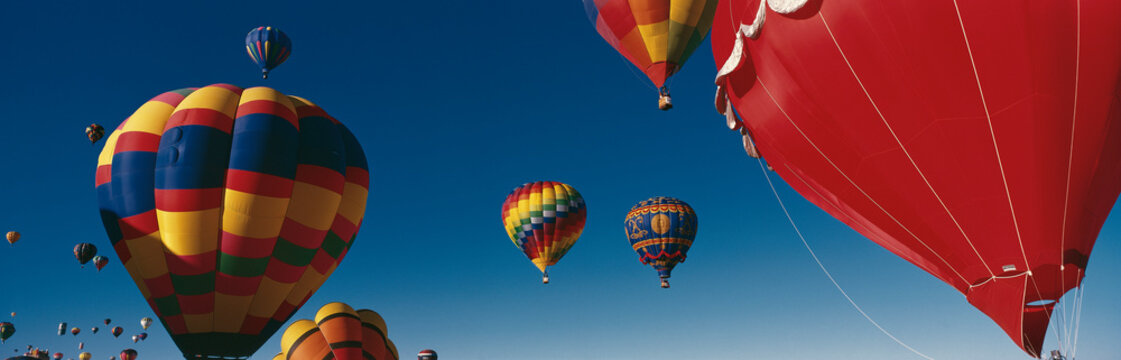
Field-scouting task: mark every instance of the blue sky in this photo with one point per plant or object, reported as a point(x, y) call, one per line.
point(456, 103)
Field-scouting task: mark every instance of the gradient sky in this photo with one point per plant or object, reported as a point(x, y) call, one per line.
point(456, 103)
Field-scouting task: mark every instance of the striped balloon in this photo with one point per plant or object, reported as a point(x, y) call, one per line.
point(338, 332)
point(661, 230)
point(229, 208)
point(544, 219)
point(657, 36)
point(84, 252)
point(268, 47)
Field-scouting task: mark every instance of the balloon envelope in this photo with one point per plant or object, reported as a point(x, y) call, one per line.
point(256, 197)
point(6, 331)
point(338, 332)
point(12, 237)
point(95, 132)
point(84, 252)
point(128, 354)
point(657, 36)
point(661, 230)
point(544, 219)
point(267, 47)
point(983, 149)
point(100, 262)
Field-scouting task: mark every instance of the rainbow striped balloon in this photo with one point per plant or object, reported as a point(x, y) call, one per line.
point(657, 36)
point(544, 219)
point(661, 230)
point(229, 208)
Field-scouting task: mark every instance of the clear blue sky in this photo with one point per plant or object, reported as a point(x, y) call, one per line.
point(456, 103)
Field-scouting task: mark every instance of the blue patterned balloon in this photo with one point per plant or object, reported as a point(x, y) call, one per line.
point(661, 230)
point(268, 47)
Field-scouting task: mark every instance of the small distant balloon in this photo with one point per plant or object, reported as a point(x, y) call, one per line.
point(81, 345)
point(128, 354)
point(116, 331)
point(107, 321)
point(57, 356)
point(426, 354)
point(74, 331)
point(84, 252)
point(61, 328)
point(143, 336)
point(94, 132)
point(84, 356)
point(146, 322)
point(135, 338)
point(13, 236)
point(94, 329)
point(100, 262)
point(268, 47)
point(6, 331)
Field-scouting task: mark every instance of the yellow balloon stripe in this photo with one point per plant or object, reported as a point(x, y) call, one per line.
point(215, 98)
point(190, 232)
point(313, 206)
point(252, 215)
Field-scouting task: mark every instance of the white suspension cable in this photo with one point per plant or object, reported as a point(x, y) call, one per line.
point(824, 270)
point(1077, 319)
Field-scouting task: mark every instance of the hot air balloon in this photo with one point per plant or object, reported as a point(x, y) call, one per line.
point(57, 356)
point(12, 236)
point(544, 219)
point(657, 36)
point(81, 345)
point(61, 328)
point(107, 321)
point(116, 331)
point(426, 354)
point(100, 262)
point(142, 336)
point(338, 332)
point(128, 354)
point(977, 147)
point(84, 252)
point(661, 230)
point(84, 356)
point(146, 322)
point(94, 132)
point(268, 183)
point(6, 331)
point(74, 331)
point(94, 329)
point(268, 47)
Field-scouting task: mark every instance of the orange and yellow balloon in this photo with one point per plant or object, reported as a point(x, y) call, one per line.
point(338, 332)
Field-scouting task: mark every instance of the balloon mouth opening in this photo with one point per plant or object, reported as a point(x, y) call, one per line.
point(1041, 303)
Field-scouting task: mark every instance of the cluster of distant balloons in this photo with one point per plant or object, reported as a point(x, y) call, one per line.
point(7, 329)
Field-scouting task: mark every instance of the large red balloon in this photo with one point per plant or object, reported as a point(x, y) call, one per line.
point(979, 140)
